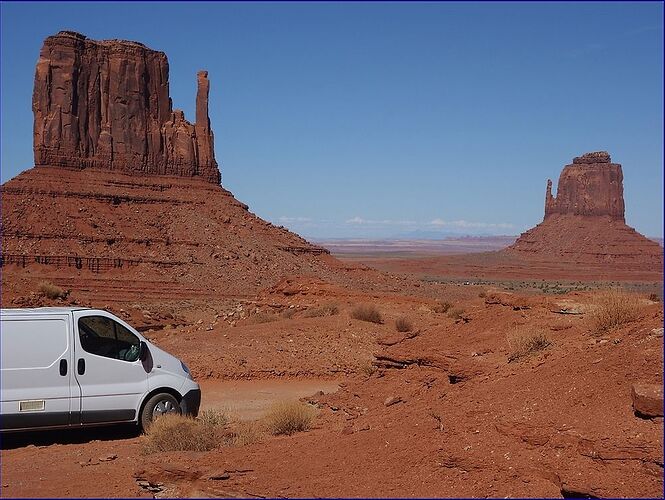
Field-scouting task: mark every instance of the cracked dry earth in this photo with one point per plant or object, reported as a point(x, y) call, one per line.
point(438, 411)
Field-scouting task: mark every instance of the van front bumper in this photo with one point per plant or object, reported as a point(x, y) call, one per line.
point(190, 402)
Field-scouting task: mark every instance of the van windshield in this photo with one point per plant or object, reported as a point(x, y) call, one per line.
point(102, 336)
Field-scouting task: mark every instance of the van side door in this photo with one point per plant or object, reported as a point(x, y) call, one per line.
point(38, 388)
point(109, 372)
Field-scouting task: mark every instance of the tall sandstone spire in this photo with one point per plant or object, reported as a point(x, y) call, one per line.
point(106, 104)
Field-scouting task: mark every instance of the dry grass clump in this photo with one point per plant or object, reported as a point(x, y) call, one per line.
point(213, 417)
point(245, 433)
point(442, 307)
point(456, 313)
point(51, 291)
point(289, 417)
point(368, 369)
point(613, 308)
point(262, 317)
point(173, 432)
point(329, 309)
point(525, 344)
point(367, 312)
point(288, 313)
point(653, 297)
point(402, 324)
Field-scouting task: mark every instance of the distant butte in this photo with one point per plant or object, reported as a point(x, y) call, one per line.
point(585, 221)
point(105, 104)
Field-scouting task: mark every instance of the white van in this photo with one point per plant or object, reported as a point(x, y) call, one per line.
point(72, 367)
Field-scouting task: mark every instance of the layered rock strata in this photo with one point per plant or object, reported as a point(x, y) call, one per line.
point(591, 185)
point(106, 104)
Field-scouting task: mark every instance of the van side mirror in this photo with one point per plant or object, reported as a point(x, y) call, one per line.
point(143, 351)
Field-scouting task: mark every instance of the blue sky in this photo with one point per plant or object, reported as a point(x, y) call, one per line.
point(389, 119)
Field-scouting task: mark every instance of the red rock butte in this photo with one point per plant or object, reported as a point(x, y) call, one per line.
point(125, 196)
point(106, 104)
point(585, 221)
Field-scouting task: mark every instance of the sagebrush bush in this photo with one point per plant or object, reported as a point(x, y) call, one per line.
point(288, 313)
point(245, 433)
point(403, 324)
point(456, 313)
point(262, 317)
point(173, 432)
point(51, 291)
point(213, 417)
point(442, 307)
point(368, 369)
point(613, 308)
point(324, 310)
point(367, 312)
point(289, 417)
point(523, 344)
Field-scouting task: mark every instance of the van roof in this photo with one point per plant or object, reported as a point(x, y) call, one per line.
point(54, 310)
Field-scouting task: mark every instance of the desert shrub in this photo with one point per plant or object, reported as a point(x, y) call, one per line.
point(288, 313)
point(369, 369)
point(172, 432)
point(329, 309)
point(262, 317)
point(613, 308)
point(213, 417)
point(51, 291)
point(367, 312)
point(653, 297)
point(442, 307)
point(289, 417)
point(402, 324)
point(456, 313)
point(245, 433)
point(482, 294)
point(525, 344)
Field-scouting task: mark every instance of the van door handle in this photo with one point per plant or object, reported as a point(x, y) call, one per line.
point(81, 366)
point(63, 367)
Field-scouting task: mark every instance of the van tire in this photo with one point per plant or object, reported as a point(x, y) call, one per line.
point(159, 404)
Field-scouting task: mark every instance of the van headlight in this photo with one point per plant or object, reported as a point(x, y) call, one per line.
point(186, 370)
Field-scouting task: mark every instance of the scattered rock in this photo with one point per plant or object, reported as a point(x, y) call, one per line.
point(647, 400)
point(392, 400)
point(220, 477)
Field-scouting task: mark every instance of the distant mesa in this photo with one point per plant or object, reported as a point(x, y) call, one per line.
point(585, 221)
point(106, 104)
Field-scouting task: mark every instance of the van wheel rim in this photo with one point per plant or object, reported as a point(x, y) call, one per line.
point(162, 408)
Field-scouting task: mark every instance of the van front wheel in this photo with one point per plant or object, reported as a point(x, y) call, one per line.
point(158, 405)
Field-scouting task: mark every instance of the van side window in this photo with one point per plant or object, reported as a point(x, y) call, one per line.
point(104, 337)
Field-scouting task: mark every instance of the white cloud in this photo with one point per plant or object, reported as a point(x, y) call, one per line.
point(384, 222)
point(294, 219)
point(356, 220)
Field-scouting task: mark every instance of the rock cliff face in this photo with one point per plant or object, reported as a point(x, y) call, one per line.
point(585, 222)
point(106, 104)
point(591, 185)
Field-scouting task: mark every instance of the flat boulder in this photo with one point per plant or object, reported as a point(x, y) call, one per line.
point(647, 400)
